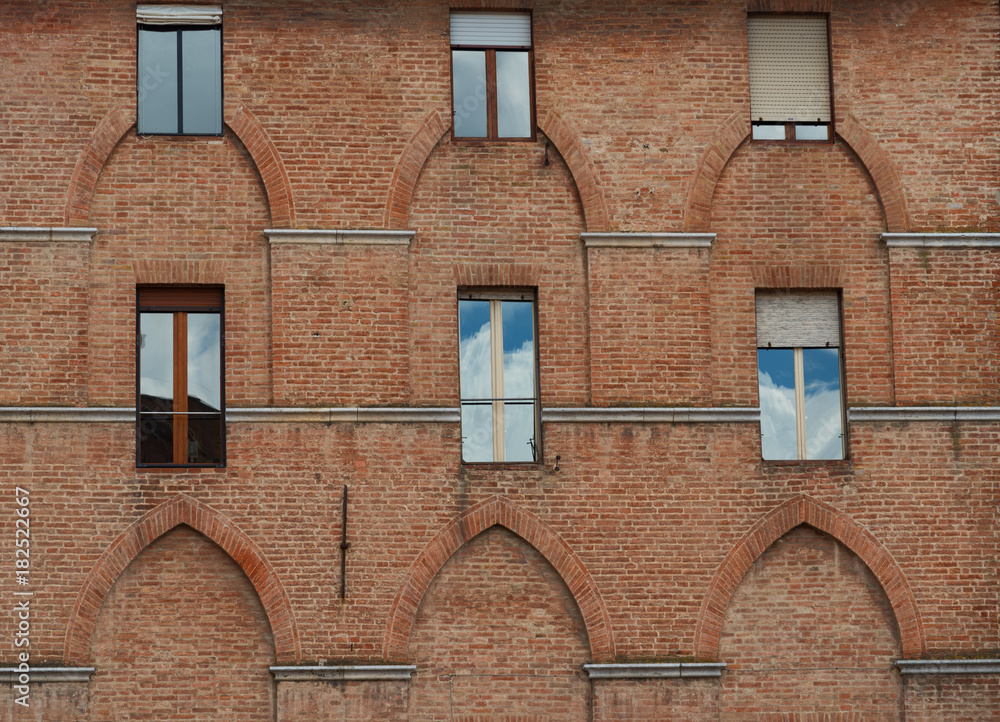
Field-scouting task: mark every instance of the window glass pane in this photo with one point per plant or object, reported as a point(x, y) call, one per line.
point(519, 432)
point(201, 75)
point(824, 419)
point(474, 349)
point(156, 439)
point(518, 350)
point(768, 132)
point(204, 439)
point(513, 95)
point(477, 432)
point(776, 385)
point(204, 362)
point(156, 362)
point(469, 91)
point(812, 132)
point(157, 81)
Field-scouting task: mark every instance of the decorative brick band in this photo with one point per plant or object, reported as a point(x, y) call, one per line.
point(120, 121)
point(22, 234)
point(342, 673)
point(942, 240)
point(9, 675)
point(433, 129)
point(789, 6)
point(655, 670)
point(949, 666)
point(277, 236)
point(647, 240)
point(182, 509)
point(803, 510)
point(496, 511)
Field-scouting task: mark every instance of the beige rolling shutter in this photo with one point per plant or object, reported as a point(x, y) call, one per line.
point(804, 319)
point(179, 14)
point(789, 68)
point(493, 30)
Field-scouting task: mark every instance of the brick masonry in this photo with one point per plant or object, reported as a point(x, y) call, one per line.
point(628, 542)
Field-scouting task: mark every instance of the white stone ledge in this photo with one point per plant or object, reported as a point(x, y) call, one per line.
point(24, 234)
point(48, 674)
point(359, 673)
point(66, 414)
point(276, 236)
point(688, 415)
point(647, 240)
point(949, 666)
point(983, 414)
point(942, 240)
point(655, 670)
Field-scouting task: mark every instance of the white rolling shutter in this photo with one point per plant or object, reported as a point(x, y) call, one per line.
point(789, 68)
point(798, 319)
point(179, 14)
point(493, 30)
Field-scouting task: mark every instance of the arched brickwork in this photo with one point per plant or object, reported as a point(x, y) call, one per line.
point(736, 130)
point(803, 510)
point(433, 129)
point(119, 121)
point(784, 275)
point(491, 512)
point(182, 509)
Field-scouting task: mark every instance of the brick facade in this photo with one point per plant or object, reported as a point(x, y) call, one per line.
point(342, 218)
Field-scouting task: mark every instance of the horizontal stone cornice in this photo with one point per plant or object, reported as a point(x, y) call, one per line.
point(949, 666)
point(279, 236)
point(47, 674)
point(647, 240)
point(942, 240)
point(23, 234)
point(655, 670)
point(925, 413)
point(359, 673)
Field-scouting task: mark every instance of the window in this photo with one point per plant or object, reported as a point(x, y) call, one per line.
point(799, 375)
point(180, 400)
point(790, 97)
point(491, 74)
point(498, 377)
point(179, 73)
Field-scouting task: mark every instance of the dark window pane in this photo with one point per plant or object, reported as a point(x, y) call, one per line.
point(157, 81)
point(156, 361)
point(812, 132)
point(469, 91)
point(768, 132)
point(513, 95)
point(204, 439)
point(477, 432)
point(201, 73)
point(204, 362)
point(156, 439)
point(518, 349)
point(776, 387)
point(824, 416)
point(474, 349)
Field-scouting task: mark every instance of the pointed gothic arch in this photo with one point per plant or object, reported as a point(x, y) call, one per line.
point(480, 517)
point(182, 509)
point(780, 520)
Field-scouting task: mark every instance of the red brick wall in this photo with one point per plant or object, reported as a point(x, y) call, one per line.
point(213, 645)
point(810, 630)
point(498, 632)
point(334, 702)
point(965, 698)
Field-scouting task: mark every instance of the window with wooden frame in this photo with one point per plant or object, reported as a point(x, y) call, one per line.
point(791, 95)
point(179, 70)
point(799, 375)
point(492, 76)
point(180, 399)
point(498, 368)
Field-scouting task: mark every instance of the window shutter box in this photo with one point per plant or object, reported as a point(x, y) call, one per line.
point(178, 14)
point(803, 319)
point(494, 30)
point(789, 68)
point(180, 297)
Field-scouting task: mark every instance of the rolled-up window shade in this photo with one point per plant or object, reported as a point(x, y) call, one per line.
point(798, 319)
point(789, 68)
point(179, 14)
point(494, 30)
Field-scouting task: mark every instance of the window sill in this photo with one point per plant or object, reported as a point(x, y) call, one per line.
point(490, 141)
point(502, 465)
point(185, 468)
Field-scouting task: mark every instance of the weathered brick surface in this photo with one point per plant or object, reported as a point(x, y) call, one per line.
point(964, 698)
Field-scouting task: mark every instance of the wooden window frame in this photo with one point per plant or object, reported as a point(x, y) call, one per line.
point(499, 295)
point(179, 301)
point(790, 126)
point(492, 118)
